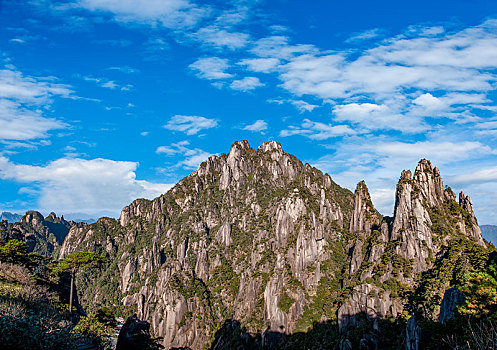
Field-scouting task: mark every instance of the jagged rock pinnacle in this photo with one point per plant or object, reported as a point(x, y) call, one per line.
point(269, 146)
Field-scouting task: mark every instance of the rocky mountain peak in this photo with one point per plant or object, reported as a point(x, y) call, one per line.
point(33, 218)
point(43, 235)
point(365, 219)
point(424, 165)
point(364, 215)
point(270, 146)
point(423, 208)
point(428, 180)
point(470, 226)
point(238, 149)
point(406, 175)
point(465, 203)
point(240, 145)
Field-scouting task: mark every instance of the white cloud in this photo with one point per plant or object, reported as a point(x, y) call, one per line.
point(23, 100)
point(108, 84)
point(429, 101)
point(246, 84)
point(303, 106)
point(474, 47)
point(17, 40)
point(170, 13)
point(258, 126)
point(317, 130)
point(315, 75)
point(425, 72)
point(476, 177)
point(79, 185)
point(190, 125)
point(15, 86)
point(376, 117)
point(18, 123)
point(261, 65)
point(211, 68)
point(220, 38)
point(113, 42)
point(366, 35)
point(382, 198)
point(438, 152)
point(278, 47)
point(154, 49)
point(125, 69)
point(446, 62)
point(420, 30)
point(192, 157)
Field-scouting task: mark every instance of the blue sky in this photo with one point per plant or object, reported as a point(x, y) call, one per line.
point(105, 101)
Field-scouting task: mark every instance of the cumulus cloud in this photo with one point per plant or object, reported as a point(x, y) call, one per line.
point(192, 157)
point(246, 84)
point(258, 126)
point(79, 185)
point(189, 124)
point(211, 68)
point(428, 100)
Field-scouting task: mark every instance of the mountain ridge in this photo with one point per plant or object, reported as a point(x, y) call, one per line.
point(259, 237)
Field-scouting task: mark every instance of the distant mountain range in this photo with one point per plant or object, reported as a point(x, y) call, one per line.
point(10, 217)
point(15, 217)
point(489, 232)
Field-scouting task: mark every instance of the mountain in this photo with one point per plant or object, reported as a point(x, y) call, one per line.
point(489, 232)
point(43, 235)
point(257, 248)
point(10, 217)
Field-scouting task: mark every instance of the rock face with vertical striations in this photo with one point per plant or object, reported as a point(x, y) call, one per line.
point(261, 243)
point(429, 233)
point(364, 220)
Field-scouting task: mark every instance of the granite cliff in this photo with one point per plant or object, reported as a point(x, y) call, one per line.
point(256, 245)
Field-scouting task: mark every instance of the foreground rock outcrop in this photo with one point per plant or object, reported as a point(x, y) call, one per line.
point(275, 246)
